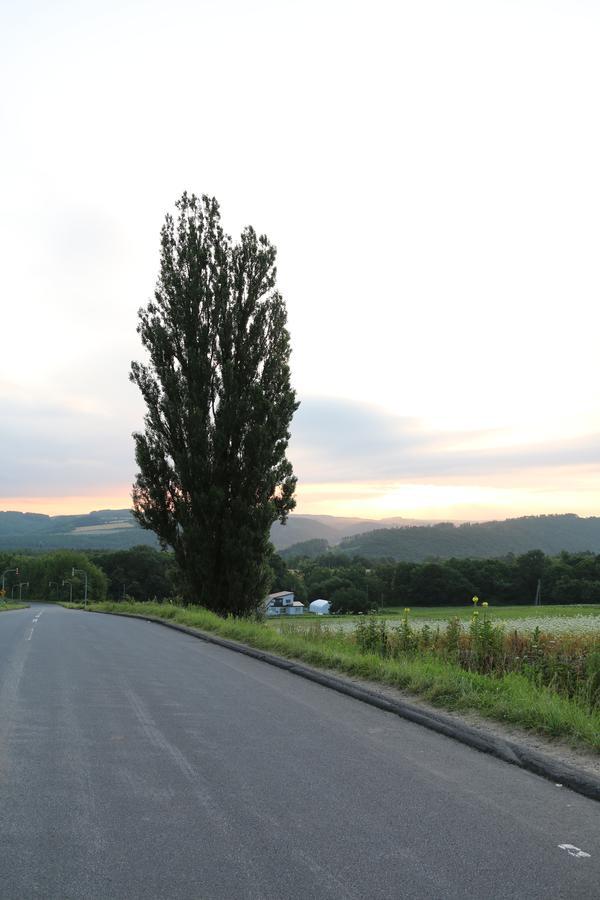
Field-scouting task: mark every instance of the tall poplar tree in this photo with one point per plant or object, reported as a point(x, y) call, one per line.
point(213, 473)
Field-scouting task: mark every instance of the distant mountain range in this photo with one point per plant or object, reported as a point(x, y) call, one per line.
point(395, 538)
point(116, 529)
point(331, 528)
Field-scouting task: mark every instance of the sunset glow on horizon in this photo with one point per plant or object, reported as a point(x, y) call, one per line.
point(64, 506)
point(475, 503)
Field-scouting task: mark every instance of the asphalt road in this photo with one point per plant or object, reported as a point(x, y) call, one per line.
point(136, 762)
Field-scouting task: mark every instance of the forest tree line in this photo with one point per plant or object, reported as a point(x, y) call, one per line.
point(141, 573)
point(357, 584)
point(352, 584)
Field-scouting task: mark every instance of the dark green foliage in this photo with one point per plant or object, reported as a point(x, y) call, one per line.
point(213, 471)
point(305, 549)
point(552, 534)
point(348, 599)
point(46, 572)
point(141, 573)
point(364, 585)
point(286, 579)
point(568, 578)
point(440, 584)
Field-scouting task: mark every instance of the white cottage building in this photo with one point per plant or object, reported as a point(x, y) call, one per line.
point(282, 603)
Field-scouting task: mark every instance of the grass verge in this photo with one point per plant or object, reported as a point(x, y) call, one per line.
point(4, 607)
point(510, 699)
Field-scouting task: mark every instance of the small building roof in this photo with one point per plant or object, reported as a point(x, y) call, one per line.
point(279, 594)
point(297, 603)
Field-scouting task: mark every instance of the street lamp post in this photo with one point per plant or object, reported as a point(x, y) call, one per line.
point(84, 573)
point(22, 584)
point(6, 572)
point(55, 583)
point(70, 583)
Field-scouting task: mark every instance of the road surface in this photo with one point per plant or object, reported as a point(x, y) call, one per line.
point(137, 762)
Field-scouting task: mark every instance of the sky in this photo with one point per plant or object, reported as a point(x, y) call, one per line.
point(429, 174)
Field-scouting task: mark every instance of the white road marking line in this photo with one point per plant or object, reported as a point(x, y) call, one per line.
point(33, 624)
point(574, 851)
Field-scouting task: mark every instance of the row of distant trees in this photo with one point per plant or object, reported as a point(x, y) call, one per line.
point(141, 573)
point(49, 576)
point(355, 584)
point(351, 584)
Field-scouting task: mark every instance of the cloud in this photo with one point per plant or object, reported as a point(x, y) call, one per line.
point(50, 447)
point(343, 441)
point(58, 444)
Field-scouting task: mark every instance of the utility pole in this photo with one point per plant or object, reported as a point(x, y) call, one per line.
point(538, 593)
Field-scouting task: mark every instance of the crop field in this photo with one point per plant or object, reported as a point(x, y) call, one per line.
point(504, 612)
point(577, 624)
point(572, 619)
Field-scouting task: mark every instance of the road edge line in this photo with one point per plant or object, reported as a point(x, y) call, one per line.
point(509, 751)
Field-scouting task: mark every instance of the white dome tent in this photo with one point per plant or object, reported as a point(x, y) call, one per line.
point(320, 607)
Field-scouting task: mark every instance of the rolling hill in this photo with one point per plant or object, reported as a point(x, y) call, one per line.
point(116, 529)
point(408, 539)
point(104, 529)
point(480, 540)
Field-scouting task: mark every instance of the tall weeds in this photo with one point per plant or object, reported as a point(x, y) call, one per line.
point(568, 664)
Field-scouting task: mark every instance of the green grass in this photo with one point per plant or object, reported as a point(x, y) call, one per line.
point(511, 698)
point(4, 607)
